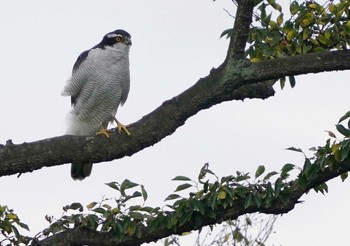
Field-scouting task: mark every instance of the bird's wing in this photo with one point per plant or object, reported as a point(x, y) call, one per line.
point(80, 59)
point(78, 79)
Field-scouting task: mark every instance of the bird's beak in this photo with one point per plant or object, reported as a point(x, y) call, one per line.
point(128, 41)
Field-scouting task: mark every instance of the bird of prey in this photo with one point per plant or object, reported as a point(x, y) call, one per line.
point(99, 83)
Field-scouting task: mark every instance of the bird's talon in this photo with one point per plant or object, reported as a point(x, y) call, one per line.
point(120, 127)
point(103, 132)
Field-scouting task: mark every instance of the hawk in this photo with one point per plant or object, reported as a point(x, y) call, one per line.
point(100, 82)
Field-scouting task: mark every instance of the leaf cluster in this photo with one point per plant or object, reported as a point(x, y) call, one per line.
point(9, 228)
point(209, 194)
point(102, 216)
point(310, 27)
point(332, 157)
point(307, 27)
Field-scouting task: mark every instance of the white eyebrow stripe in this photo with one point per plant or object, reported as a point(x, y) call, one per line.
point(113, 35)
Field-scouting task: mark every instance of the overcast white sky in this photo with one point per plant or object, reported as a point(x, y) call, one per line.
point(174, 44)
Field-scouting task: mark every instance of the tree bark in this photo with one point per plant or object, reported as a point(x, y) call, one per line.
point(236, 81)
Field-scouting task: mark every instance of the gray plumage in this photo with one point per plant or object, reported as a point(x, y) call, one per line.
point(100, 82)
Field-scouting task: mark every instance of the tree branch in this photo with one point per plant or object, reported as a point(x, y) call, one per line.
point(230, 82)
point(283, 203)
point(240, 32)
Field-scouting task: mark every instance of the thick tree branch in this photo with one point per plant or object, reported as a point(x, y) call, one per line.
point(291, 195)
point(230, 82)
point(241, 27)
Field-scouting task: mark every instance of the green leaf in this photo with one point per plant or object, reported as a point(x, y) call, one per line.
point(183, 187)
point(181, 178)
point(113, 185)
point(135, 208)
point(126, 184)
point(75, 206)
point(277, 6)
point(278, 186)
point(99, 210)
point(295, 149)
point(343, 130)
point(136, 194)
point(206, 186)
point(320, 49)
point(291, 34)
point(287, 167)
point(323, 188)
point(282, 82)
point(197, 206)
point(344, 117)
point(257, 200)
point(144, 193)
point(150, 210)
point(279, 19)
point(186, 217)
point(198, 220)
point(270, 174)
point(22, 225)
point(306, 33)
point(331, 134)
point(15, 231)
point(227, 32)
point(204, 171)
point(259, 171)
point(213, 200)
point(227, 179)
point(344, 176)
point(291, 81)
point(172, 197)
point(92, 221)
point(307, 166)
point(294, 7)
point(241, 177)
point(323, 39)
point(306, 48)
point(345, 149)
point(248, 201)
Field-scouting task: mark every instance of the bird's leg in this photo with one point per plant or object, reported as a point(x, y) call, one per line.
point(121, 127)
point(103, 131)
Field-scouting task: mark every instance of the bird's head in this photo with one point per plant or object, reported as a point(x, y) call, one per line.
point(116, 38)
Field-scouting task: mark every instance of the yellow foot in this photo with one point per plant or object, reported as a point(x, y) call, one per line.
point(104, 132)
point(121, 127)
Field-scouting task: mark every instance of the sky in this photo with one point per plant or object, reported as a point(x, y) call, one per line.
point(174, 44)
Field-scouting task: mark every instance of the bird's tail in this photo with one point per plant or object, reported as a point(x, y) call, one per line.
point(80, 170)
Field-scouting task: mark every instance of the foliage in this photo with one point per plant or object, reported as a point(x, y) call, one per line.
point(9, 228)
point(308, 27)
point(333, 156)
point(208, 195)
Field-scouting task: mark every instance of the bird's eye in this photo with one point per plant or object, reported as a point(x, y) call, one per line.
point(118, 38)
